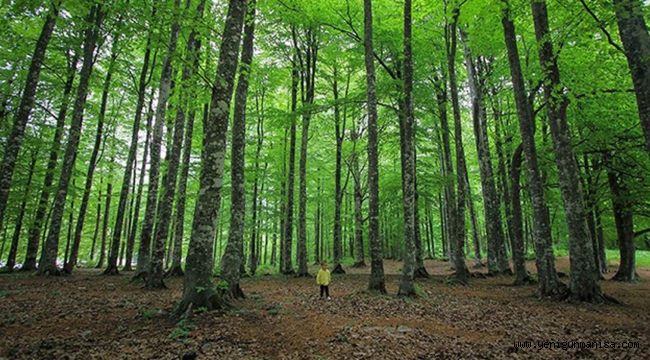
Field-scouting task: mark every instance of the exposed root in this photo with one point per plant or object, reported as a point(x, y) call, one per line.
point(175, 271)
point(525, 280)
point(478, 264)
point(360, 264)
point(50, 271)
point(141, 275)
point(631, 278)
point(478, 275)
point(338, 269)
point(421, 273)
point(111, 271)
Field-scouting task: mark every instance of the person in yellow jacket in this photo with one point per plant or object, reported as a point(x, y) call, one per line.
point(323, 279)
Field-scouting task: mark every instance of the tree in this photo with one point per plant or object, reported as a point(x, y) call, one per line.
point(130, 160)
point(72, 261)
point(15, 140)
point(497, 260)
point(47, 263)
point(13, 248)
point(34, 233)
point(549, 283)
point(406, 285)
point(198, 290)
point(584, 278)
point(307, 68)
point(636, 42)
point(144, 256)
point(233, 257)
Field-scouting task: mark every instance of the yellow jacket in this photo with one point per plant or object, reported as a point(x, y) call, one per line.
point(323, 277)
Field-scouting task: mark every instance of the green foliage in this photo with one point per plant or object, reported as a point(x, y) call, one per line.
point(149, 313)
point(182, 330)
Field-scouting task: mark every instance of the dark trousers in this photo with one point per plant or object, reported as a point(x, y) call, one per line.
point(324, 289)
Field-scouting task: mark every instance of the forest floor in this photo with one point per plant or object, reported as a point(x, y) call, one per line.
point(88, 316)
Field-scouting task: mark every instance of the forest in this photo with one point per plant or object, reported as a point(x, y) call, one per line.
point(462, 179)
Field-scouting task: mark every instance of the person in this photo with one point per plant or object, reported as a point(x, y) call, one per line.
point(323, 279)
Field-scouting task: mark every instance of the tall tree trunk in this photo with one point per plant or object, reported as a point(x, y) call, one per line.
point(164, 90)
point(198, 290)
point(584, 278)
point(308, 73)
point(549, 283)
point(107, 213)
point(47, 263)
point(476, 238)
point(406, 284)
point(517, 238)
point(254, 252)
point(155, 275)
point(92, 163)
point(636, 42)
point(233, 258)
point(624, 220)
point(130, 160)
point(461, 274)
point(287, 267)
point(318, 242)
point(134, 227)
point(98, 218)
point(34, 233)
point(15, 140)
point(339, 128)
point(13, 249)
point(497, 261)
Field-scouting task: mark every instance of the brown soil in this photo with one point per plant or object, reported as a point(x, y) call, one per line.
point(91, 316)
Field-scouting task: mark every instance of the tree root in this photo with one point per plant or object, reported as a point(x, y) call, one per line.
point(360, 264)
point(526, 280)
point(421, 273)
point(111, 271)
point(175, 271)
point(55, 271)
point(338, 269)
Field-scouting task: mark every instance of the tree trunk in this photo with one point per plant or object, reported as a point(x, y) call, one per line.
point(47, 263)
point(287, 267)
point(549, 283)
point(338, 192)
point(406, 284)
point(497, 261)
point(107, 213)
point(92, 163)
point(134, 227)
point(307, 75)
point(144, 268)
point(13, 249)
point(98, 218)
point(34, 233)
point(636, 42)
point(233, 258)
point(15, 140)
point(584, 278)
point(128, 169)
point(624, 220)
point(155, 275)
point(259, 142)
point(517, 238)
point(461, 274)
point(198, 290)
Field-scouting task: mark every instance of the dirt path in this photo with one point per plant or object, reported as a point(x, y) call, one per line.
point(91, 316)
